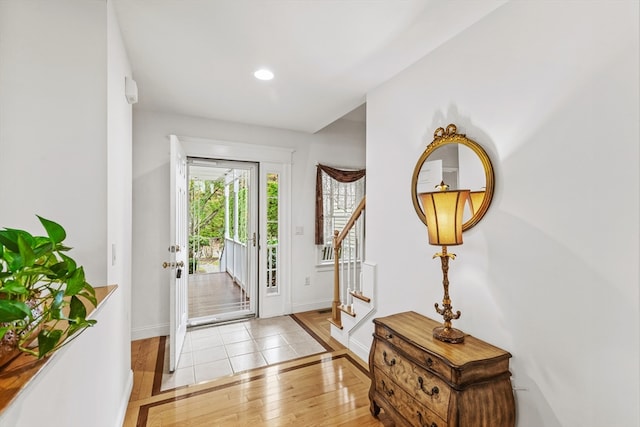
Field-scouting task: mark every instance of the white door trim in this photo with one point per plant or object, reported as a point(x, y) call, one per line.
point(230, 150)
point(263, 155)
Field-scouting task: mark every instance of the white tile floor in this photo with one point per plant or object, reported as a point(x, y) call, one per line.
point(217, 351)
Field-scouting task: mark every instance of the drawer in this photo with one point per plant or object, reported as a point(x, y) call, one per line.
point(417, 382)
point(414, 413)
point(429, 361)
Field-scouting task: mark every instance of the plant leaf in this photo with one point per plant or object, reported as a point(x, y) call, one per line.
point(14, 260)
point(26, 251)
point(3, 331)
point(75, 282)
point(25, 235)
point(56, 305)
point(77, 310)
point(75, 327)
point(47, 340)
point(59, 269)
point(54, 230)
point(42, 246)
point(90, 296)
point(9, 238)
point(14, 287)
point(13, 310)
point(71, 263)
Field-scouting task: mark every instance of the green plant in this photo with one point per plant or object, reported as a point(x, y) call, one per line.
point(41, 290)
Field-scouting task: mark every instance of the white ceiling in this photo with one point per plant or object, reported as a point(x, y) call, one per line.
point(197, 57)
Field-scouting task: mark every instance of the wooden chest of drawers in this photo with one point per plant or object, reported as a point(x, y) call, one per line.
point(420, 381)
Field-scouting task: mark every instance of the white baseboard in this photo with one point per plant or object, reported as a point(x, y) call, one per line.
point(359, 349)
point(150, 332)
point(122, 412)
point(318, 305)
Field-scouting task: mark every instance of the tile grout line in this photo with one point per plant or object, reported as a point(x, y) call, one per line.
point(281, 333)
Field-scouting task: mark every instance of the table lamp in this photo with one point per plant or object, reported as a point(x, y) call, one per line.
point(443, 210)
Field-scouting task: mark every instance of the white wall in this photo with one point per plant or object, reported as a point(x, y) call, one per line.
point(119, 163)
point(341, 144)
point(116, 346)
point(54, 132)
point(550, 89)
point(65, 150)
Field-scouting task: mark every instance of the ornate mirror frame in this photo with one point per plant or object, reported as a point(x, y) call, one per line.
point(450, 136)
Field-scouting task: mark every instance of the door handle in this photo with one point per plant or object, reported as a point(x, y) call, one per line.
point(173, 264)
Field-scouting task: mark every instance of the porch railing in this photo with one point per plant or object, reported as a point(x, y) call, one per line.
point(348, 255)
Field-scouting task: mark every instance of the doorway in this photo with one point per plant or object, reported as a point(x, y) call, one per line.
point(223, 218)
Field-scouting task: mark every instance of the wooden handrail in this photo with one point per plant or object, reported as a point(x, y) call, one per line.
point(338, 237)
point(352, 220)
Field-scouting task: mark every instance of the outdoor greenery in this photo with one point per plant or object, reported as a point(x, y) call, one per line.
point(42, 290)
point(207, 209)
point(231, 205)
point(206, 216)
point(242, 210)
point(207, 213)
point(272, 230)
point(272, 209)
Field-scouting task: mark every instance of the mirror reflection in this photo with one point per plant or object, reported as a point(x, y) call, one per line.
point(461, 164)
point(458, 167)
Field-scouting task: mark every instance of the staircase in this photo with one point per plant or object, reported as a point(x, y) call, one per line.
point(353, 281)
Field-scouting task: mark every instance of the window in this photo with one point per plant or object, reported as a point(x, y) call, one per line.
point(339, 200)
point(273, 206)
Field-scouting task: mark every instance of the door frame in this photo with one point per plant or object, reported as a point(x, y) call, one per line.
point(268, 157)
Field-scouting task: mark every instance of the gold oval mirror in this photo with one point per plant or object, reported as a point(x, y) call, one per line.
point(461, 163)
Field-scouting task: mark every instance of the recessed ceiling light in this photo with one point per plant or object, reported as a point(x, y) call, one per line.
point(263, 74)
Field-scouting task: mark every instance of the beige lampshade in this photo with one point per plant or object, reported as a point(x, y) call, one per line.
point(475, 200)
point(443, 210)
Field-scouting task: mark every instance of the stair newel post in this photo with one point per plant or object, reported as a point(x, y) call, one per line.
point(335, 306)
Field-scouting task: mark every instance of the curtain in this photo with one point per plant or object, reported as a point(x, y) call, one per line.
point(344, 176)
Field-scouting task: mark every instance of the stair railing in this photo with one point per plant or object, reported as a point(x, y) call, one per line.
point(348, 246)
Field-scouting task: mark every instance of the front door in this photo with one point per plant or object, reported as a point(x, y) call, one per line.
point(177, 251)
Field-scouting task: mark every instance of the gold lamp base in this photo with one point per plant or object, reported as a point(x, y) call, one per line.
point(450, 335)
point(446, 333)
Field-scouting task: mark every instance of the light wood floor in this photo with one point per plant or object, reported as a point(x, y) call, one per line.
point(328, 389)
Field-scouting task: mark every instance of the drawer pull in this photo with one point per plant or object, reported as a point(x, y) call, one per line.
point(388, 362)
point(387, 391)
point(388, 336)
point(422, 424)
point(429, 362)
point(434, 389)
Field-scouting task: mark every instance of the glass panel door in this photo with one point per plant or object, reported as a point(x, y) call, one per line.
point(222, 250)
